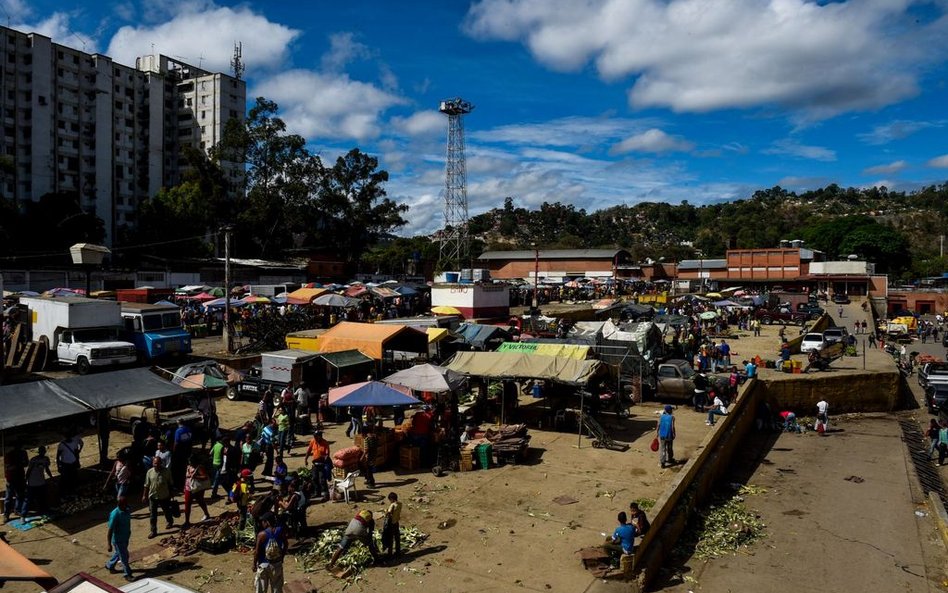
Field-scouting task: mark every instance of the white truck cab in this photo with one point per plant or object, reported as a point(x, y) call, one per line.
point(87, 348)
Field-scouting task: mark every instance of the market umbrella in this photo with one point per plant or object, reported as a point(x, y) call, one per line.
point(427, 377)
point(212, 368)
point(216, 292)
point(442, 310)
point(254, 299)
point(201, 296)
point(335, 300)
point(166, 303)
point(220, 303)
point(65, 292)
point(355, 290)
point(713, 295)
point(369, 393)
point(202, 382)
point(405, 290)
point(708, 315)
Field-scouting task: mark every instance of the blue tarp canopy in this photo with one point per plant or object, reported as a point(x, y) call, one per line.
point(369, 393)
point(478, 335)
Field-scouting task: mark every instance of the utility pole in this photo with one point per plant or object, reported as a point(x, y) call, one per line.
point(3, 354)
point(226, 334)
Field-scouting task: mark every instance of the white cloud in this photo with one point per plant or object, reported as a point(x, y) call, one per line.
point(795, 149)
point(897, 130)
point(207, 36)
point(566, 131)
point(889, 169)
point(696, 56)
point(319, 106)
point(803, 183)
point(653, 140)
point(343, 50)
point(422, 123)
point(940, 162)
point(15, 10)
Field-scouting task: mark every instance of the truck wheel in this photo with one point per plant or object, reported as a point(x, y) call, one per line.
point(232, 393)
point(815, 316)
point(766, 320)
point(82, 365)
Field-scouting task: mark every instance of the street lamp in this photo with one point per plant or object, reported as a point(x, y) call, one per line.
point(88, 255)
point(536, 278)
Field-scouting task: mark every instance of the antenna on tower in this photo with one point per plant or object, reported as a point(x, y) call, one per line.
point(237, 63)
point(455, 245)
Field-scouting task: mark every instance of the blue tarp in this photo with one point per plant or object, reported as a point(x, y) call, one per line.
point(478, 335)
point(371, 393)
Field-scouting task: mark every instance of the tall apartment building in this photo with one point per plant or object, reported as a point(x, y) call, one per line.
point(113, 134)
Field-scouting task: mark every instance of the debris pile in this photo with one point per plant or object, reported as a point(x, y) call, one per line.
point(214, 535)
point(726, 526)
point(510, 441)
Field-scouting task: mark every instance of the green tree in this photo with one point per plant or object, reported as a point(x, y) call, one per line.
point(353, 207)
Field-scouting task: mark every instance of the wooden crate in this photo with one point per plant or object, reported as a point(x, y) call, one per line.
point(409, 457)
point(467, 465)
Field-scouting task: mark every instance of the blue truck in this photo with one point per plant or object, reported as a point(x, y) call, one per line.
point(156, 330)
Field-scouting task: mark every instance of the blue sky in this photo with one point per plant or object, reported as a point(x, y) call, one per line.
point(588, 102)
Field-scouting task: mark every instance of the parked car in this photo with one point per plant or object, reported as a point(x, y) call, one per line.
point(936, 398)
point(783, 316)
point(841, 298)
point(813, 341)
point(835, 334)
point(931, 373)
point(810, 309)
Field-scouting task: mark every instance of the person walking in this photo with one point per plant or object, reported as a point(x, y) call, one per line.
point(122, 474)
point(932, 434)
point(181, 453)
point(822, 417)
point(268, 442)
point(268, 556)
point(370, 447)
point(666, 437)
point(196, 483)
point(303, 398)
point(67, 462)
point(284, 438)
point(120, 532)
point(157, 493)
point(217, 464)
point(36, 473)
point(15, 463)
point(942, 444)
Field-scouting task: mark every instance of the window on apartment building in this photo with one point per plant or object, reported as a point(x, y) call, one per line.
point(233, 113)
point(129, 122)
point(203, 114)
point(188, 102)
point(74, 127)
point(119, 171)
point(11, 57)
point(203, 129)
point(59, 55)
point(27, 59)
point(184, 132)
point(203, 99)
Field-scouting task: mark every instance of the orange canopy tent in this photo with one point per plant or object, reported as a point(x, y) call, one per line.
point(372, 339)
point(304, 296)
point(16, 567)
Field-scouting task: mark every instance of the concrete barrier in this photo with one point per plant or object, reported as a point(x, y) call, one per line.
point(852, 392)
point(692, 487)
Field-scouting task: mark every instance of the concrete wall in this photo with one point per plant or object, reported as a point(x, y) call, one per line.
point(866, 392)
point(694, 485)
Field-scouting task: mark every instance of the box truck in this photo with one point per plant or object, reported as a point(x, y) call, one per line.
point(82, 332)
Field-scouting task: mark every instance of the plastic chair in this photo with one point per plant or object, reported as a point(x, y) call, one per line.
point(346, 484)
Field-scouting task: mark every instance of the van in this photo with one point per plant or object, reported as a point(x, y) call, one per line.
point(813, 341)
point(154, 586)
point(835, 334)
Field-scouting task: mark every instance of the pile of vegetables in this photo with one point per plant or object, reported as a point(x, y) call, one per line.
point(723, 528)
point(357, 557)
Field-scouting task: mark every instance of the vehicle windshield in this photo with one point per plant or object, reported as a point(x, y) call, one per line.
point(157, 321)
point(686, 371)
point(151, 322)
point(813, 338)
point(98, 334)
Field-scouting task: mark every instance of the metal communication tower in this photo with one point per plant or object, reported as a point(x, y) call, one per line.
point(237, 62)
point(455, 247)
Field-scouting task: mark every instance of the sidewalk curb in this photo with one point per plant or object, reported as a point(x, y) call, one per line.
point(941, 516)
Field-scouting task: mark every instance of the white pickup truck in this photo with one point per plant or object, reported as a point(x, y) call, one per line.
point(82, 332)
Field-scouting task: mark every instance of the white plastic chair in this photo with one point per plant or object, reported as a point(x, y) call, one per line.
point(345, 485)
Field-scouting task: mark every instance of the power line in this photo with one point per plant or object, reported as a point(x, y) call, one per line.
point(114, 249)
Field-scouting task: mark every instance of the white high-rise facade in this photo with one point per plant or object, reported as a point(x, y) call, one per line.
point(79, 123)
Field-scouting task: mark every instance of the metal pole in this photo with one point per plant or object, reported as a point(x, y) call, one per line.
point(536, 278)
point(582, 412)
point(864, 354)
point(226, 333)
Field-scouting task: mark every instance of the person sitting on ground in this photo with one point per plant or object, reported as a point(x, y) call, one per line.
point(622, 540)
point(638, 519)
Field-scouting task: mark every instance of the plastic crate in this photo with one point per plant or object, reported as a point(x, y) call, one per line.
point(485, 456)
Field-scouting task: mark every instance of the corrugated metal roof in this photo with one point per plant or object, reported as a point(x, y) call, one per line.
point(702, 264)
point(530, 254)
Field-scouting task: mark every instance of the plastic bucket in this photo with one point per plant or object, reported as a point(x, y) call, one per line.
point(451, 276)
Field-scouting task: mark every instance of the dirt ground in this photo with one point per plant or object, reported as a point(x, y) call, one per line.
point(506, 532)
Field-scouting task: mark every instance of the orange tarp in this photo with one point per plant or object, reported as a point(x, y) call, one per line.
point(304, 296)
point(368, 338)
point(17, 567)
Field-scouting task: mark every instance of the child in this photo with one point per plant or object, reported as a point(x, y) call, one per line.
point(240, 495)
point(390, 530)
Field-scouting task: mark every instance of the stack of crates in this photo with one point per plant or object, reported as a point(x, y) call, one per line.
point(409, 457)
point(485, 455)
point(467, 459)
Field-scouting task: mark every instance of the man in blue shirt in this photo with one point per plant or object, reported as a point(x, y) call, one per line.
point(120, 531)
point(751, 369)
point(623, 538)
point(725, 350)
point(180, 453)
point(666, 437)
